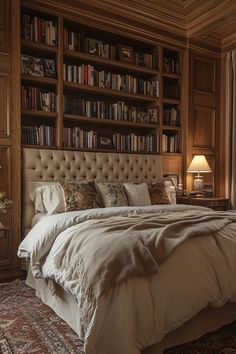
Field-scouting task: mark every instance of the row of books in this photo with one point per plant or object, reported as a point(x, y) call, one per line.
point(170, 66)
point(171, 143)
point(38, 99)
point(88, 75)
point(38, 135)
point(149, 60)
point(79, 138)
point(133, 142)
point(38, 29)
point(78, 41)
point(113, 111)
point(35, 66)
point(171, 116)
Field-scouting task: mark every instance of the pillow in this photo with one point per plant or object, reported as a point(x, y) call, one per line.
point(137, 194)
point(79, 195)
point(47, 197)
point(112, 194)
point(162, 192)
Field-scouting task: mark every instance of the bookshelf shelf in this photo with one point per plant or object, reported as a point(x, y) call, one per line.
point(32, 146)
point(109, 63)
point(171, 101)
point(39, 80)
point(109, 92)
point(81, 64)
point(110, 122)
point(171, 75)
point(41, 47)
point(171, 153)
point(109, 150)
point(39, 114)
point(171, 127)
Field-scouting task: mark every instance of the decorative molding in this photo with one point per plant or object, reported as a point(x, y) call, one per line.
point(229, 42)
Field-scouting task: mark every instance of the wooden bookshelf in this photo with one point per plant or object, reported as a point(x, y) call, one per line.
point(143, 63)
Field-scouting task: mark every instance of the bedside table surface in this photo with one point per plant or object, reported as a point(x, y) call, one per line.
point(217, 203)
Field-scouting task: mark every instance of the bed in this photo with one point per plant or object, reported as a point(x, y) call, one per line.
point(128, 318)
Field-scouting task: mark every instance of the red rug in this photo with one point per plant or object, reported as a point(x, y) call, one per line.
point(28, 326)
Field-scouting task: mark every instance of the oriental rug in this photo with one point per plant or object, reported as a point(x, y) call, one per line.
point(28, 326)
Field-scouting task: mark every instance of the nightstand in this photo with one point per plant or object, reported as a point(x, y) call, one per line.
point(213, 203)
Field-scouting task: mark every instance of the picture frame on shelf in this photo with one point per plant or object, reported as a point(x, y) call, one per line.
point(93, 46)
point(207, 190)
point(126, 54)
point(105, 142)
point(174, 179)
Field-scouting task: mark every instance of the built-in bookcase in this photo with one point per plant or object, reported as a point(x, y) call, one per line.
point(89, 89)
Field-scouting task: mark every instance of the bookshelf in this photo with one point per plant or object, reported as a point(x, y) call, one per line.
point(90, 89)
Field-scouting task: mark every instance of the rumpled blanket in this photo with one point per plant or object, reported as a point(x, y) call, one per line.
point(90, 255)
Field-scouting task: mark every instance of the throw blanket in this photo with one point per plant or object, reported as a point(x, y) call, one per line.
point(90, 254)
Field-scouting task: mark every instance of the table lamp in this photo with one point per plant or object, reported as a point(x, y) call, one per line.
point(197, 165)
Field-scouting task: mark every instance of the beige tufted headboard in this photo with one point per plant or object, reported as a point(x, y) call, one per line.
point(53, 165)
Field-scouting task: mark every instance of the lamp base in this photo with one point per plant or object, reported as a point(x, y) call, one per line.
point(198, 184)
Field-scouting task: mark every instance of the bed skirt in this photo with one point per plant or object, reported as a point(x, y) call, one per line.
point(66, 308)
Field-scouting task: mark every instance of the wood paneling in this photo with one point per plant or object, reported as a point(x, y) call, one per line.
point(9, 140)
point(4, 107)
point(204, 75)
point(204, 127)
point(5, 168)
point(204, 113)
point(173, 165)
point(4, 26)
point(5, 240)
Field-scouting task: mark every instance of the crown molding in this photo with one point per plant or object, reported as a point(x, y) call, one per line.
point(172, 21)
point(229, 43)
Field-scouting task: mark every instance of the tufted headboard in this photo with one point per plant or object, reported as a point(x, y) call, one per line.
point(52, 165)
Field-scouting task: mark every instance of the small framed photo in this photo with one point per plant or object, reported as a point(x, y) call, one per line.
point(93, 46)
point(207, 190)
point(105, 142)
point(174, 179)
point(126, 54)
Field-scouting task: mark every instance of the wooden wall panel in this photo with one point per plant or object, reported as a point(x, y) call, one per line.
point(5, 168)
point(173, 165)
point(5, 240)
point(4, 26)
point(204, 127)
point(4, 106)
point(204, 114)
point(204, 75)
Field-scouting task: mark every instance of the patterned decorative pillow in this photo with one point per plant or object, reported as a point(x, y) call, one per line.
point(112, 194)
point(79, 195)
point(137, 194)
point(162, 192)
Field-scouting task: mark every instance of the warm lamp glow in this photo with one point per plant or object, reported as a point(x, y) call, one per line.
point(199, 164)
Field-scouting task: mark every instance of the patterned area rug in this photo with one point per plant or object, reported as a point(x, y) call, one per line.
point(28, 326)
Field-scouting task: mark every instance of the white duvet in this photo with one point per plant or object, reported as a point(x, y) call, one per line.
point(141, 310)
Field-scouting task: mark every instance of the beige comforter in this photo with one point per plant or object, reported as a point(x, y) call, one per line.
point(92, 253)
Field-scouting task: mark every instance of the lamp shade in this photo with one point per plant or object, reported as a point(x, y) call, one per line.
point(199, 164)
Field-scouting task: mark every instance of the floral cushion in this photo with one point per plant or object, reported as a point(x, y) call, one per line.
point(162, 192)
point(112, 194)
point(79, 195)
point(137, 194)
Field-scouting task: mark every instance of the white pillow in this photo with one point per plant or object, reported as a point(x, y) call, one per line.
point(48, 199)
point(137, 194)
